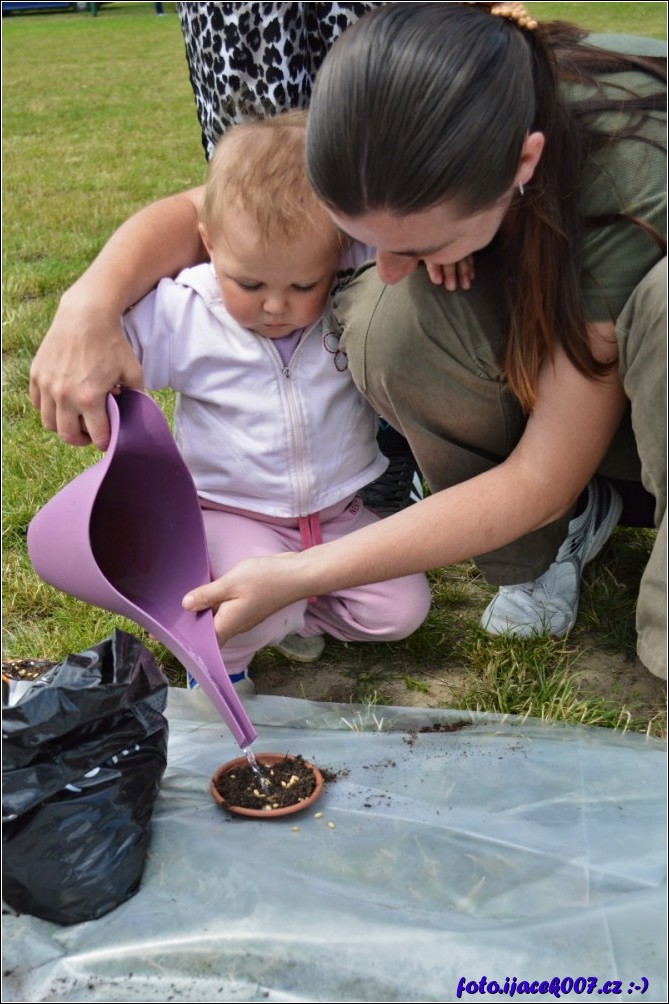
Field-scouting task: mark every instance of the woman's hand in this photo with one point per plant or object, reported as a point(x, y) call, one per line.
point(83, 356)
point(452, 277)
point(248, 593)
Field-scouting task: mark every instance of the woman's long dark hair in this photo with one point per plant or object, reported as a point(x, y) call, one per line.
point(422, 103)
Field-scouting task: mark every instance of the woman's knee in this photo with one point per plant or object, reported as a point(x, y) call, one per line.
point(430, 360)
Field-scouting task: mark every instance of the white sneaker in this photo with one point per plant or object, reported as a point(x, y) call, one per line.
point(301, 649)
point(549, 604)
point(241, 681)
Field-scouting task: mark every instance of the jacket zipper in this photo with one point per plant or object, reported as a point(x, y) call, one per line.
point(296, 436)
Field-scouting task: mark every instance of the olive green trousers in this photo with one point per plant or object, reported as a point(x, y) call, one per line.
point(430, 362)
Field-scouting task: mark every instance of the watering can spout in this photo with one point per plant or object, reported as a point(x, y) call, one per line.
point(127, 535)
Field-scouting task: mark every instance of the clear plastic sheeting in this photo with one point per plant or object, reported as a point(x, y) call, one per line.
point(509, 849)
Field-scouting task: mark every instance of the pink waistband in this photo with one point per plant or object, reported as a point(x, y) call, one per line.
point(294, 522)
point(309, 526)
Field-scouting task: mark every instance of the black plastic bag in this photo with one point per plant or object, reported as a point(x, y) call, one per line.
point(84, 750)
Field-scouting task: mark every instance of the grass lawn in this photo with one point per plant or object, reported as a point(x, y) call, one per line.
point(99, 119)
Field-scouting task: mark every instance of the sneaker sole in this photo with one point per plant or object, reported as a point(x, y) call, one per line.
point(304, 659)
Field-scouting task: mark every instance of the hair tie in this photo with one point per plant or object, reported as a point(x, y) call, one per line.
point(513, 12)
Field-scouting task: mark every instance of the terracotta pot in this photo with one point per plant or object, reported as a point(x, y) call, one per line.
point(264, 760)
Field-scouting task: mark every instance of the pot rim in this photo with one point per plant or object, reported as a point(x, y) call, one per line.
point(267, 759)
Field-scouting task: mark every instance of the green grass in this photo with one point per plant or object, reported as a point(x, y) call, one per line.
point(648, 19)
point(99, 119)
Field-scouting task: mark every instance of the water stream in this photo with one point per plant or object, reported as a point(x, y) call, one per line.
point(253, 764)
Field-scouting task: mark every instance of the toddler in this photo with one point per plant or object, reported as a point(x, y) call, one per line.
point(275, 434)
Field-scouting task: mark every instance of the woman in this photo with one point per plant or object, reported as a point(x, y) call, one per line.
point(438, 131)
point(441, 130)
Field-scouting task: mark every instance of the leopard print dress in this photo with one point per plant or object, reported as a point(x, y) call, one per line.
point(256, 59)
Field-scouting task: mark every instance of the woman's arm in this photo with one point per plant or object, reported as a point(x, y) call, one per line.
point(564, 442)
point(84, 354)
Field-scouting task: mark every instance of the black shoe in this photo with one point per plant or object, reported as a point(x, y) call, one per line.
point(398, 487)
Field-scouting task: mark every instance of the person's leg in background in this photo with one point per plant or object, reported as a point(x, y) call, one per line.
point(252, 60)
point(642, 342)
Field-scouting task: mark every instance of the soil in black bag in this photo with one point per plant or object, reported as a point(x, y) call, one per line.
point(84, 750)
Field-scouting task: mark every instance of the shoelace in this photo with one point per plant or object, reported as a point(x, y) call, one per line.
point(394, 485)
point(521, 592)
point(583, 528)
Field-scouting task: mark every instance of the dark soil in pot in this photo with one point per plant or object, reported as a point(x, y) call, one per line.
point(291, 784)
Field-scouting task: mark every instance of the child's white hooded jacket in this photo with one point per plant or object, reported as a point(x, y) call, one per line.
point(284, 441)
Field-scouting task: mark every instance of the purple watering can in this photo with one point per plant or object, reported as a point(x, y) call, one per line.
point(127, 535)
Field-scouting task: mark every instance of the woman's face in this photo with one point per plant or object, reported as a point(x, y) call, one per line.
point(437, 236)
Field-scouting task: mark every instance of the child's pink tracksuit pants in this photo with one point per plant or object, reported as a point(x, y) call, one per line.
point(383, 611)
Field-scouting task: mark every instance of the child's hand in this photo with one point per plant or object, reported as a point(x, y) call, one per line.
point(451, 277)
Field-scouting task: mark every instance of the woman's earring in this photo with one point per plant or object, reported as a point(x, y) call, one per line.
point(521, 189)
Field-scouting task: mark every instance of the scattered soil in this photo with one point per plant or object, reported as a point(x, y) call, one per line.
point(22, 669)
point(446, 727)
point(288, 782)
point(330, 776)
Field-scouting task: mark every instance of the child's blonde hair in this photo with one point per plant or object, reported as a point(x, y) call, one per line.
point(259, 167)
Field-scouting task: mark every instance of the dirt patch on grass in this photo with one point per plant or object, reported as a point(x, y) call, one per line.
point(343, 681)
point(613, 677)
point(392, 675)
point(597, 674)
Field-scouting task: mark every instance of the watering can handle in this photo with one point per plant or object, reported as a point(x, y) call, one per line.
point(138, 552)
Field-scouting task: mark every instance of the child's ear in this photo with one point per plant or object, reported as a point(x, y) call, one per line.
point(205, 239)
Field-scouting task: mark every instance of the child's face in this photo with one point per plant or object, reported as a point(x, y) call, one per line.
point(272, 291)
